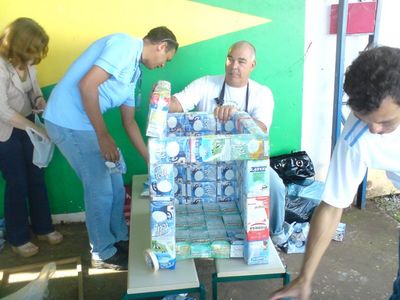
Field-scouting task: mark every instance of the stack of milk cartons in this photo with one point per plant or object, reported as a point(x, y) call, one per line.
point(161, 178)
point(254, 199)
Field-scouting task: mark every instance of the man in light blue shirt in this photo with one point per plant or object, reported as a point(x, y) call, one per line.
point(104, 77)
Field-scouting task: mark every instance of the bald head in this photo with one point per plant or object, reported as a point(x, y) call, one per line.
point(244, 45)
point(240, 62)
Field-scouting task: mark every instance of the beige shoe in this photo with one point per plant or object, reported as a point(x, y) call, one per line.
point(26, 250)
point(52, 238)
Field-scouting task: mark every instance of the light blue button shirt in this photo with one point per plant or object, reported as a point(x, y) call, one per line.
point(119, 55)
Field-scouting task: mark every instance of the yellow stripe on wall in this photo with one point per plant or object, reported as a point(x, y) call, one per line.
point(74, 24)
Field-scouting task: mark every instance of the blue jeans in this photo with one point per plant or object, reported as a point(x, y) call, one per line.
point(104, 192)
point(277, 204)
point(396, 284)
point(24, 185)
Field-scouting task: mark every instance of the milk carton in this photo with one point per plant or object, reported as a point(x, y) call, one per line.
point(255, 216)
point(227, 127)
point(180, 173)
point(162, 227)
point(158, 110)
point(161, 185)
point(202, 189)
point(256, 252)
point(227, 188)
point(200, 123)
point(226, 170)
point(255, 181)
point(176, 124)
point(177, 149)
point(202, 172)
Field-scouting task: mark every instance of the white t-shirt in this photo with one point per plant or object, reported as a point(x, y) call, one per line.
point(357, 150)
point(201, 94)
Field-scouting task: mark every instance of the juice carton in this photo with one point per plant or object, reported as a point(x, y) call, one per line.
point(247, 146)
point(209, 149)
point(158, 110)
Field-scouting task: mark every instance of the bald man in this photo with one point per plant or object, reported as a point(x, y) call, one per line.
point(235, 91)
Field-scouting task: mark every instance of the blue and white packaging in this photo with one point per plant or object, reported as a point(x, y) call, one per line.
point(255, 181)
point(180, 173)
point(226, 170)
point(227, 127)
point(200, 123)
point(227, 188)
point(256, 252)
point(162, 218)
point(176, 124)
point(177, 149)
point(202, 189)
point(169, 150)
point(179, 189)
point(161, 185)
point(202, 172)
point(210, 149)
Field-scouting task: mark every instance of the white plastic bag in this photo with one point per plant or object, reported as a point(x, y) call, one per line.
point(36, 289)
point(43, 147)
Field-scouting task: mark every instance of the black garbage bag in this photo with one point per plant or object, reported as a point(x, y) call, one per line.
point(299, 209)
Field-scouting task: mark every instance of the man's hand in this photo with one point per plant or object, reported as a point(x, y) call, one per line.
point(108, 147)
point(223, 113)
point(297, 289)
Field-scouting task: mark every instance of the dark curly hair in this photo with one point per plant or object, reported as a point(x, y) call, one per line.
point(373, 76)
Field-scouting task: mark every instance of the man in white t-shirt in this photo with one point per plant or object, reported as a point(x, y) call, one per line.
point(235, 91)
point(370, 139)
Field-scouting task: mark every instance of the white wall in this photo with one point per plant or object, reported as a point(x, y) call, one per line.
point(319, 71)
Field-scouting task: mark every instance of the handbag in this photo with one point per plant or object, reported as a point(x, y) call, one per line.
point(293, 167)
point(43, 148)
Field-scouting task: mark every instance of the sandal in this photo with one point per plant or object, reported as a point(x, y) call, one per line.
point(53, 238)
point(26, 250)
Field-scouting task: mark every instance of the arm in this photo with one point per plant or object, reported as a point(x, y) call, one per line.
point(132, 129)
point(175, 105)
point(88, 87)
point(323, 224)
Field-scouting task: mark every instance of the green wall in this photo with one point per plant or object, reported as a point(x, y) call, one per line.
point(280, 47)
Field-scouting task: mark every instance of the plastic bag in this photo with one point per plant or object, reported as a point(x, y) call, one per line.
point(311, 189)
point(299, 209)
point(43, 147)
point(36, 289)
point(298, 233)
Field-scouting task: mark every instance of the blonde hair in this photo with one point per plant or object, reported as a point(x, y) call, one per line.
point(22, 41)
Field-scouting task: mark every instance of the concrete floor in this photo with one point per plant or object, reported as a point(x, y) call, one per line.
point(363, 266)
